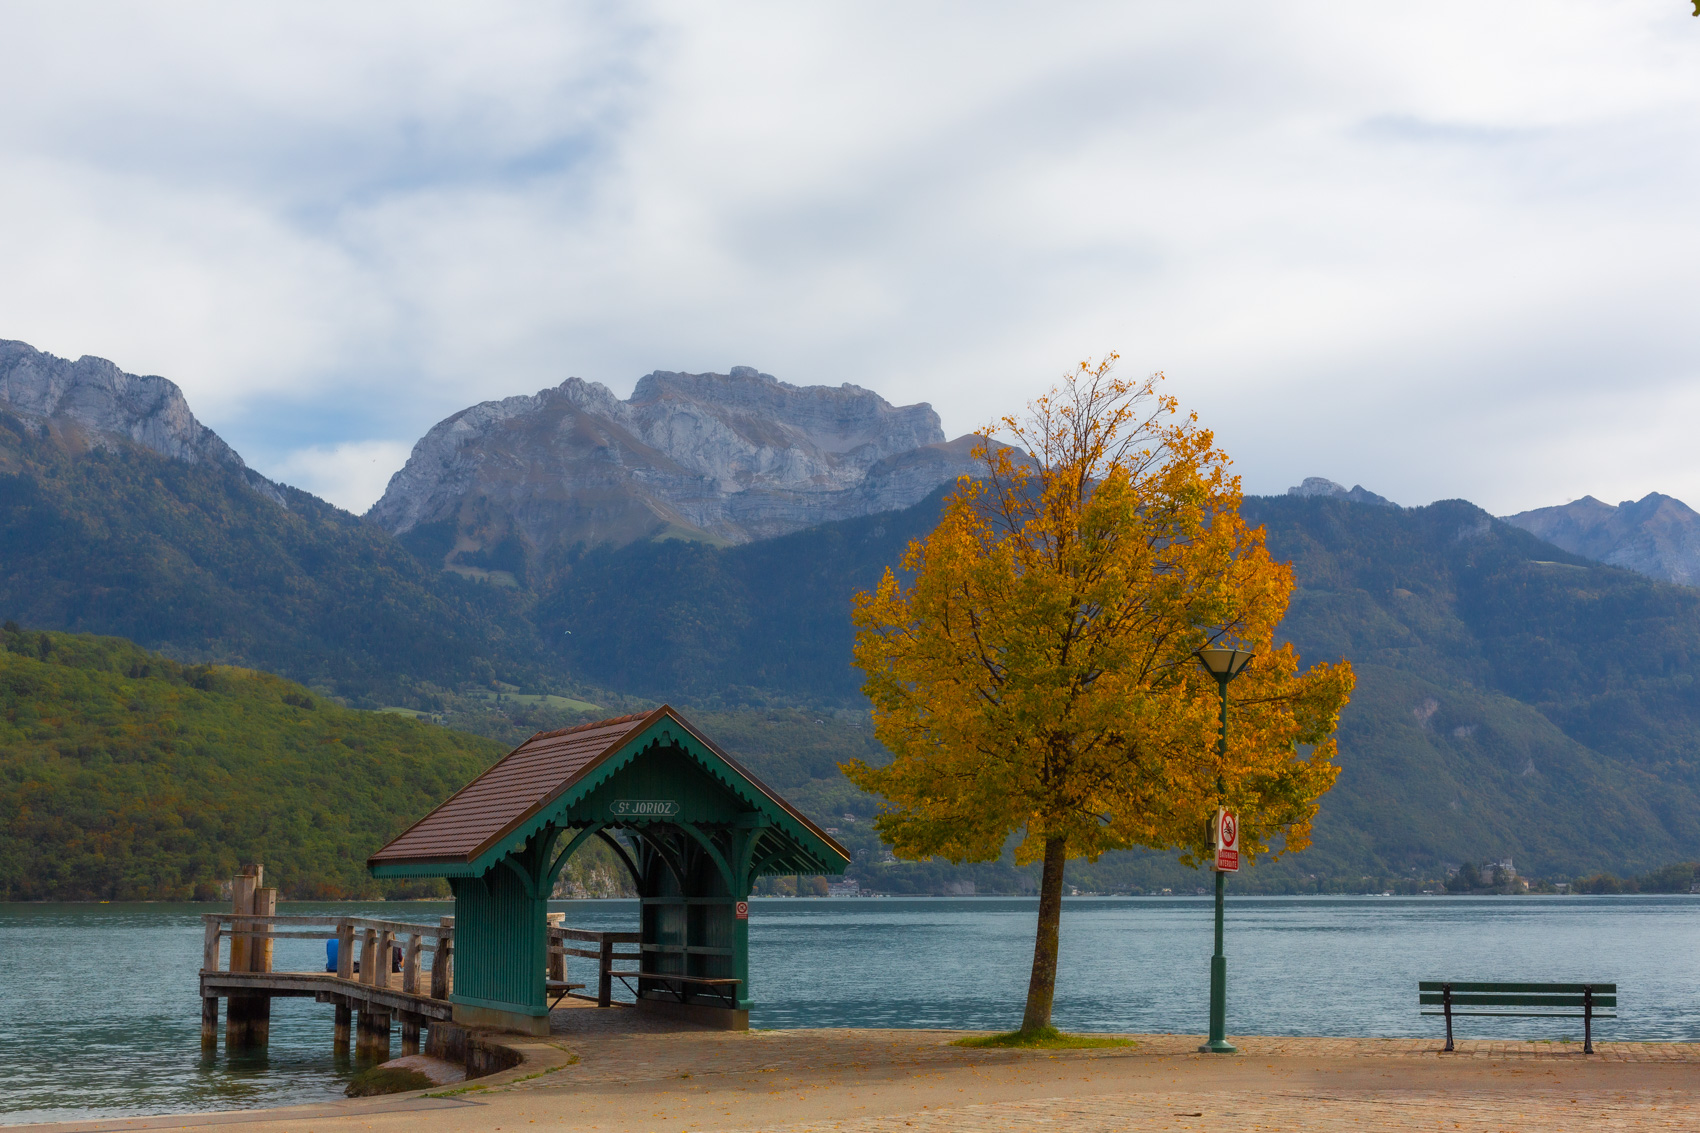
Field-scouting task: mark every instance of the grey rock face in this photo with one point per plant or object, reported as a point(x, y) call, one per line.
point(1321, 486)
point(725, 457)
point(1657, 535)
point(90, 402)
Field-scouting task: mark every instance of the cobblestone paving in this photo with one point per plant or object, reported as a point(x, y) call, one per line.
point(1276, 1112)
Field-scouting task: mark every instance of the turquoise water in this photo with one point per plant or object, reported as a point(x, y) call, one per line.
point(99, 1016)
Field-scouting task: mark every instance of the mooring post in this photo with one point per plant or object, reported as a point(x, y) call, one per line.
point(345, 949)
point(241, 1011)
point(209, 963)
point(260, 960)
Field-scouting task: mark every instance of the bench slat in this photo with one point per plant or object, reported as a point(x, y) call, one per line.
point(1545, 989)
point(1609, 1013)
point(1515, 1000)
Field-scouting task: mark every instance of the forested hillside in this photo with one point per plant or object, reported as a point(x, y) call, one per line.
point(125, 775)
point(189, 559)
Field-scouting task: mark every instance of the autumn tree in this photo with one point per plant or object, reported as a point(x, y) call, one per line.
point(1034, 678)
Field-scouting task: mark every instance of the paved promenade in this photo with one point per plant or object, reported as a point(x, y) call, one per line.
point(620, 1071)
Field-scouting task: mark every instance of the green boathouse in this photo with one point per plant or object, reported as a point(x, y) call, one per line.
point(693, 827)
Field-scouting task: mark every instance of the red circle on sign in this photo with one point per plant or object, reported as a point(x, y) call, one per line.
point(743, 910)
point(1230, 830)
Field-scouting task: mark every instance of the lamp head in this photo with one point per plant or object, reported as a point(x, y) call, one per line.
point(1224, 664)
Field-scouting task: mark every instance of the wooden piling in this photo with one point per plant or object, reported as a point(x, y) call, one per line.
point(409, 1034)
point(344, 1017)
point(209, 1021)
point(247, 1018)
point(372, 1036)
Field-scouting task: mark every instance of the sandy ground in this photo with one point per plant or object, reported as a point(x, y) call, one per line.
point(617, 1070)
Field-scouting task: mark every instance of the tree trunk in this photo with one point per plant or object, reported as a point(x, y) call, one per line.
point(1042, 987)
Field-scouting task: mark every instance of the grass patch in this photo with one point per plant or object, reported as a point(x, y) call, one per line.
point(1045, 1038)
point(386, 1080)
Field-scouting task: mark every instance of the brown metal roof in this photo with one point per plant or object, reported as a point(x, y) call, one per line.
point(507, 793)
point(533, 775)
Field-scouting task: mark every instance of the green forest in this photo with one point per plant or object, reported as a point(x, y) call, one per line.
point(125, 775)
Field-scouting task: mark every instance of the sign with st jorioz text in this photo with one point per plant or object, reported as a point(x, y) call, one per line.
point(1227, 841)
point(643, 808)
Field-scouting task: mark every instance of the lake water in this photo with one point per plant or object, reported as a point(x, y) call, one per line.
point(99, 1015)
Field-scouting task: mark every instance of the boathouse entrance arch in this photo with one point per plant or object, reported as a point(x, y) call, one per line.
point(692, 826)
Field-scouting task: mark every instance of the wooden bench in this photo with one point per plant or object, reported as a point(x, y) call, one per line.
point(722, 985)
point(552, 986)
point(1586, 1002)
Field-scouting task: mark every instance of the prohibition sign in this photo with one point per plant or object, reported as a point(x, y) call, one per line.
point(743, 911)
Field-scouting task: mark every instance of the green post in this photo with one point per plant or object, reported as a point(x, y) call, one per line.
point(1218, 1043)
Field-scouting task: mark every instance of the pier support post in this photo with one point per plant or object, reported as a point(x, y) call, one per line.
point(409, 1034)
point(209, 1021)
point(373, 1041)
point(344, 1017)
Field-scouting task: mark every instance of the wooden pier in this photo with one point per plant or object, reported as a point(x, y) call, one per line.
point(387, 971)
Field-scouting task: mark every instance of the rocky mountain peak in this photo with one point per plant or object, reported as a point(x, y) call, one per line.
point(1322, 486)
point(725, 458)
point(94, 397)
point(1656, 535)
point(90, 403)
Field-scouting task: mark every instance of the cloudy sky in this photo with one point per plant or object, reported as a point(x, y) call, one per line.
point(1439, 249)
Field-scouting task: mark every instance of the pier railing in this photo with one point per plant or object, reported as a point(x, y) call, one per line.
point(250, 949)
point(564, 942)
point(427, 951)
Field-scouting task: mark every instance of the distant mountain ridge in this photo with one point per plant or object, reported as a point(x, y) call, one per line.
point(1657, 535)
point(722, 458)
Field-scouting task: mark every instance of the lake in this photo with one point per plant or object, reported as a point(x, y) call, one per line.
point(99, 1015)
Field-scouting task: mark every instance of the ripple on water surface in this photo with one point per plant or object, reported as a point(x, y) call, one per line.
point(98, 1008)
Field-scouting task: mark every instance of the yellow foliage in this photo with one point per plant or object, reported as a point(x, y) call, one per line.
point(1033, 674)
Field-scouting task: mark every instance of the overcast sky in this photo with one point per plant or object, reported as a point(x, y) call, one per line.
point(1437, 249)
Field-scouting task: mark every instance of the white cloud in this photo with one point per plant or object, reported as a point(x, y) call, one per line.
point(351, 475)
point(1441, 251)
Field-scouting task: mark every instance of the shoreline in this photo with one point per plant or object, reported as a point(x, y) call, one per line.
point(594, 1071)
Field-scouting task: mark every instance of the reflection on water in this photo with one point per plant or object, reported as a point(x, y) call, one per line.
point(98, 1008)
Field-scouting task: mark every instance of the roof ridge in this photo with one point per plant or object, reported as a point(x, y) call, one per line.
point(587, 726)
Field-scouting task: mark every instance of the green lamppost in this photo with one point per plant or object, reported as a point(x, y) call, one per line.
point(1224, 665)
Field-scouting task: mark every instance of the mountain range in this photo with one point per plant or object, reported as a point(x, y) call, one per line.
point(1515, 698)
point(718, 458)
point(1657, 535)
